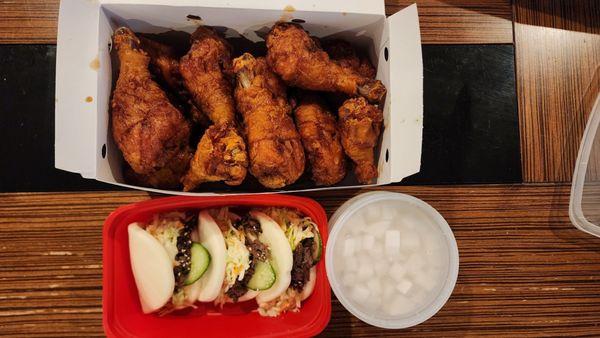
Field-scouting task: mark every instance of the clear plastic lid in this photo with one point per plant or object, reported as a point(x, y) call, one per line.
point(584, 206)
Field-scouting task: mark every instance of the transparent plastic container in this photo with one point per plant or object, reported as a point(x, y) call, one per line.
point(415, 211)
point(584, 206)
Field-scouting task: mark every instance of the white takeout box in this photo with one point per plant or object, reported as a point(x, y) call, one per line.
point(83, 141)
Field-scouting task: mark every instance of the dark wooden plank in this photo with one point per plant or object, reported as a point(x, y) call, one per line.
point(557, 45)
point(442, 22)
point(525, 270)
point(461, 21)
point(28, 21)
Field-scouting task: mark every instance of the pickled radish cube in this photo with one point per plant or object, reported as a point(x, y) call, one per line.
point(380, 267)
point(368, 242)
point(376, 252)
point(374, 285)
point(388, 288)
point(372, 213)
point(359, 293)
point(349, 247)
point(372, 303)
point(392, 243)
point(356, 224)
point(414, 263)
point(404, 286)
point(365, 271)
point(410, 241)
point(397, 272)
point(378, 228)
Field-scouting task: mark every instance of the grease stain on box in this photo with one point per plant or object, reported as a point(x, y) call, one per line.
point(95, 64)
point(287, 13)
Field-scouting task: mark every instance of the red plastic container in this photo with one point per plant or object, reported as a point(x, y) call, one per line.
point(122, 312)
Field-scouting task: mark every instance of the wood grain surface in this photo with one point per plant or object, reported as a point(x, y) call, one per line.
point(461, 21)
point(28, 21)
point(557, 46)
point(442, 22)
point(524, 269)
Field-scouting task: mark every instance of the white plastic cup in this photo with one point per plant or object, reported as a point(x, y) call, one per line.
point(337, 223)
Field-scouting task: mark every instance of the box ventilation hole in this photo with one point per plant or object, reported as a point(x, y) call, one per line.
point(104, 151)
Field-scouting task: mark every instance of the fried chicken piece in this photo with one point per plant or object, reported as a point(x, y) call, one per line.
point(168, 177)
point(220, 156)
point(318, 130)
point(165, 63)
point(275, 148)
point(300, 62)
point(348, 57)
point(150, 132)
point(205, 70)
point(221, 153)
point(360, 125)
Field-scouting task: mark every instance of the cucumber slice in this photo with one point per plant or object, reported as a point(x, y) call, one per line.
point(317, 247)
point(199, 263)
point(263, 278)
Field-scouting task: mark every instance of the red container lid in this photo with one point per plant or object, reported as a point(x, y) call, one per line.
point(122, 311)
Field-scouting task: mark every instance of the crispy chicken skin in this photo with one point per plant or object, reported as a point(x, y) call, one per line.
point(347, 56)
point(165, 63)
point(300, 62)
point(168, 177)
point(275, 148)
point(205, 70)
point(360, 125)
point(318, 130)
point(220, 156)
point(151, 133)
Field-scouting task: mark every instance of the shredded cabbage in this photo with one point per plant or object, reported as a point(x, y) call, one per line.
point(166, 230)
point(290, 301)
point(238, 257)
point(296, 232)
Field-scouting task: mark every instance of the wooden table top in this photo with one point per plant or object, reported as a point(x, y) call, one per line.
point(524, 269)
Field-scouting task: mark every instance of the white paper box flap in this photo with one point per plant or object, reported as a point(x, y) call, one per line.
point(406, 89)
point(290, 6)
point(76, 87)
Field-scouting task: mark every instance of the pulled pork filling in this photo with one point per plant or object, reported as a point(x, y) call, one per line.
point(303, 261)
point(258, 251)
point(252, 230)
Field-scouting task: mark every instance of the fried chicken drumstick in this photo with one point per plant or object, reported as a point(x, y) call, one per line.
point(302, 63)
point(348, 57)
point(165, 63)
point(360, 125)
point(318, 129)
point(220, 156)
point(275, 148)
point(150, 132)
point(206, 69)
point(221, 153)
